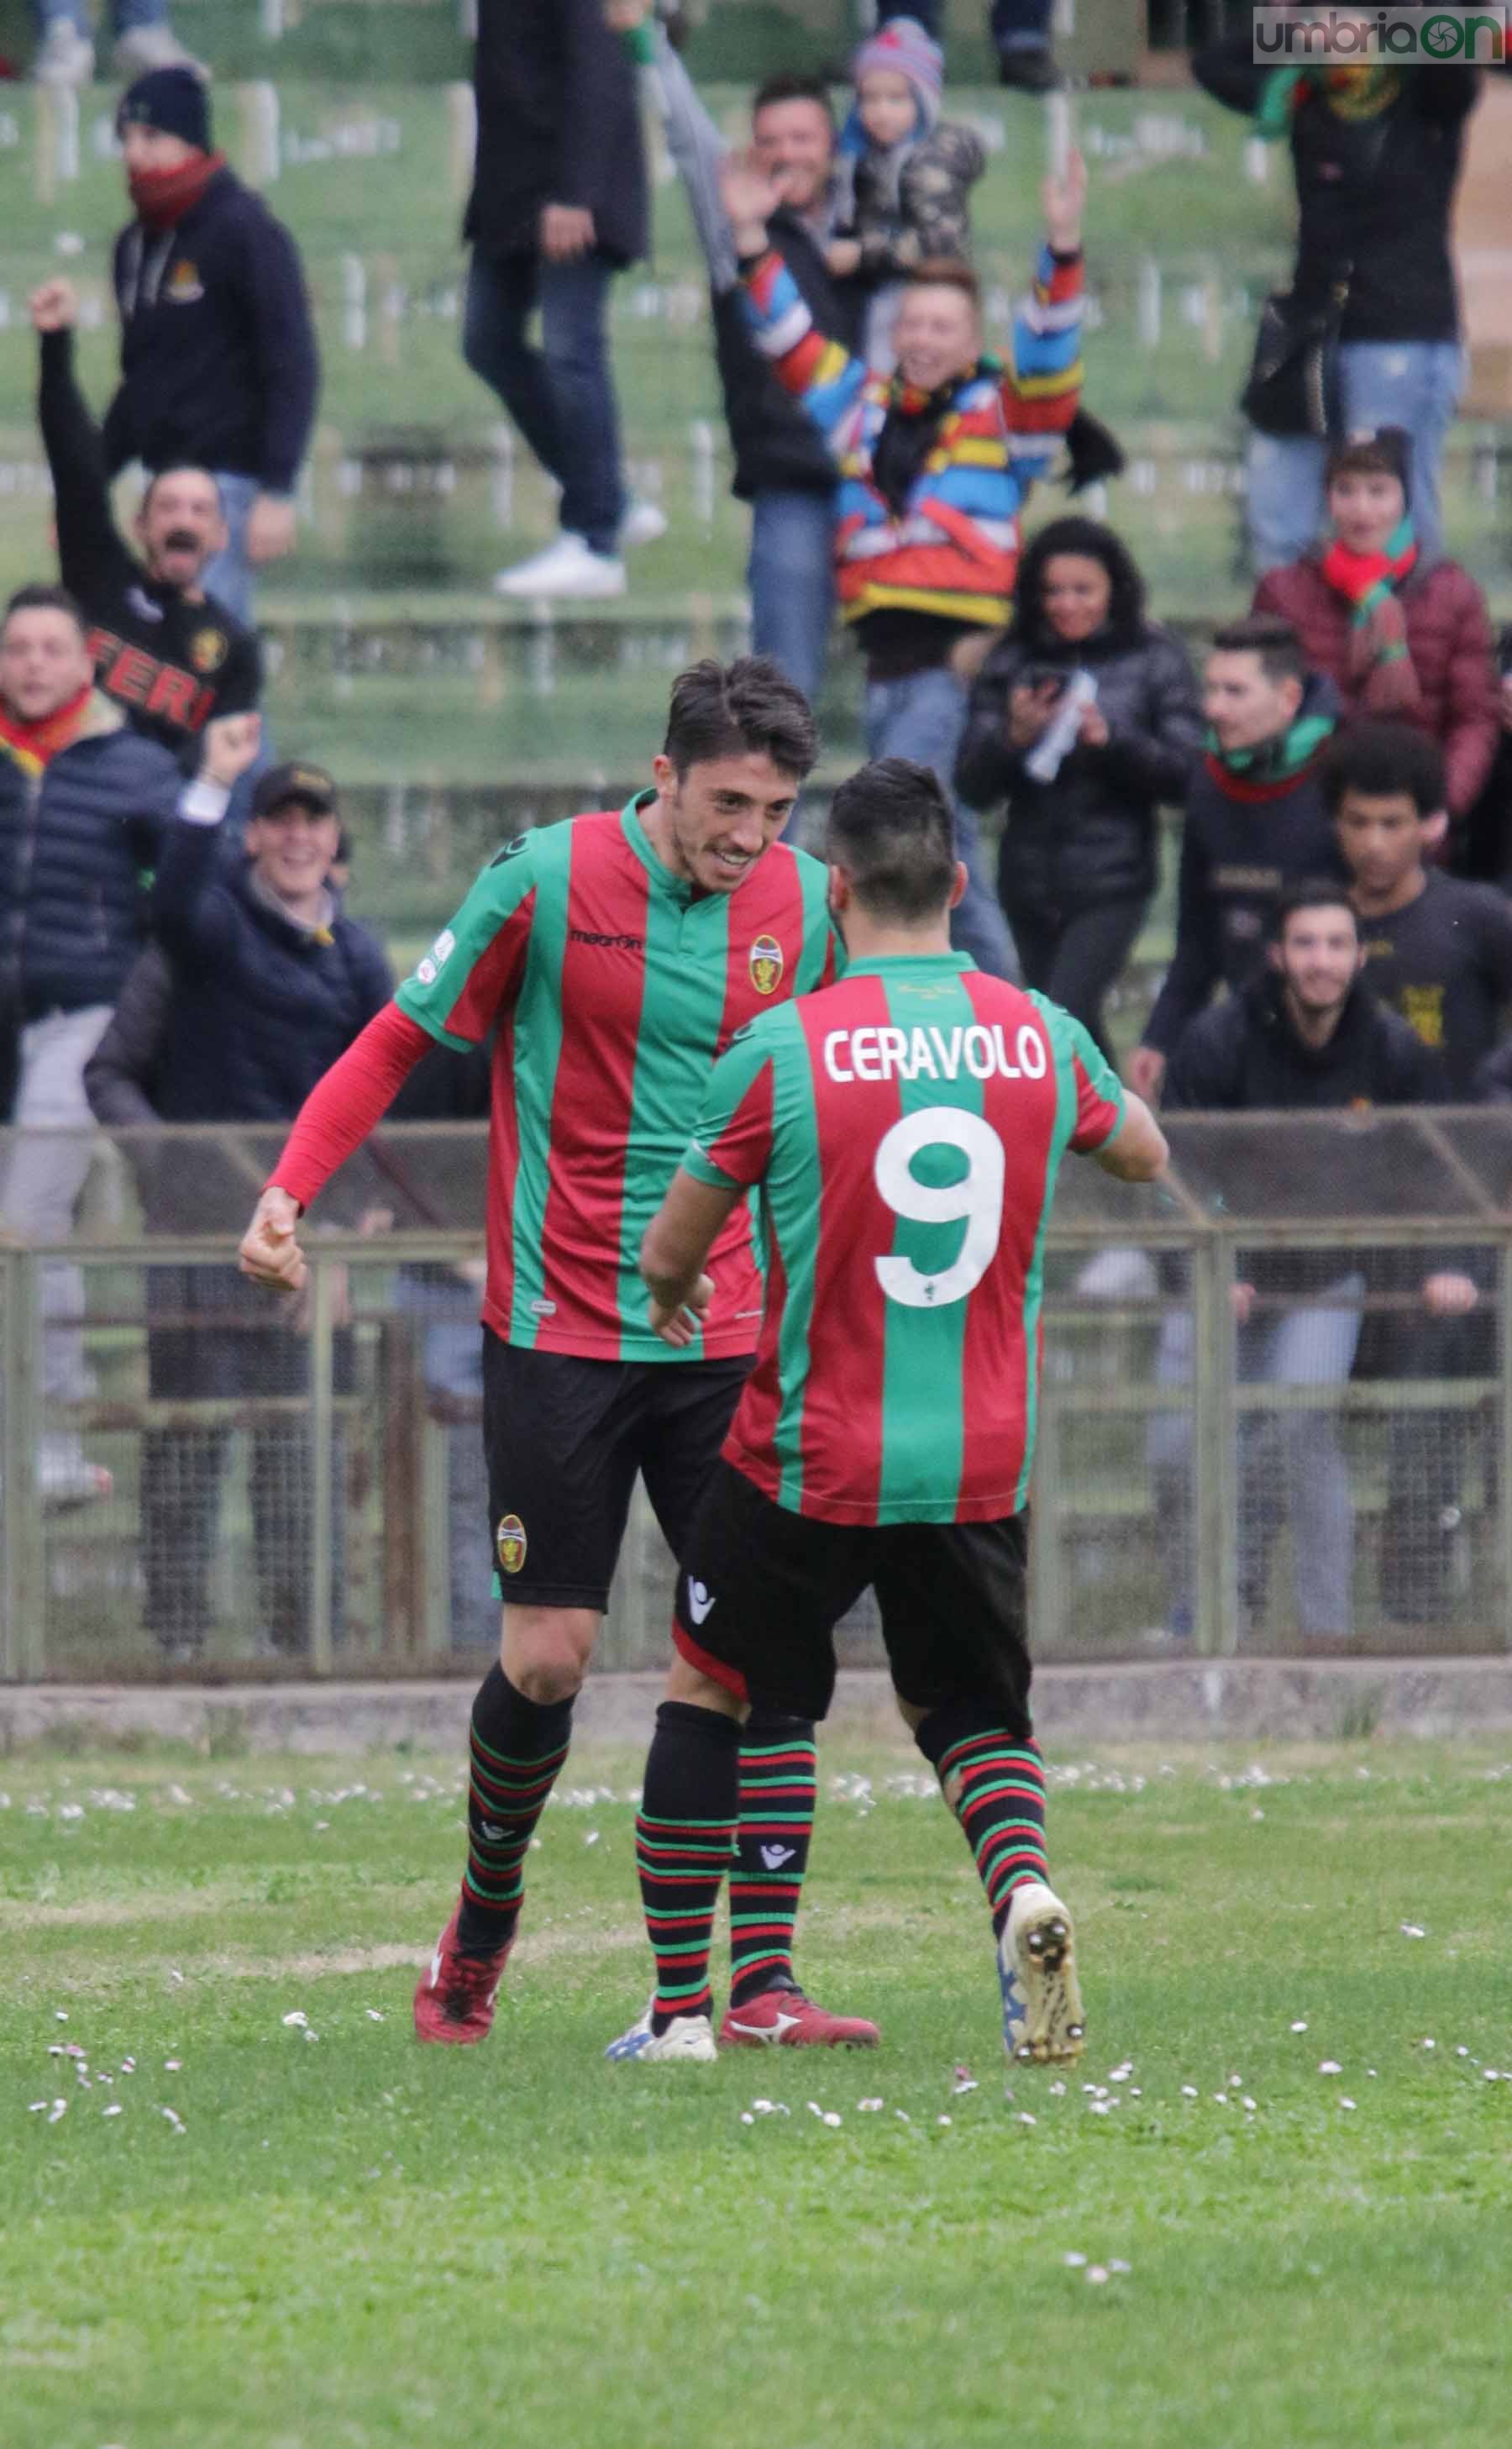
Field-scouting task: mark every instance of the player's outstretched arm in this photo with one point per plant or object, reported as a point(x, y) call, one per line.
point(1138, 1150)
point(677, 1241)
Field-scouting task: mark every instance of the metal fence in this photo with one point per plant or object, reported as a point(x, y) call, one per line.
point(197, 1479)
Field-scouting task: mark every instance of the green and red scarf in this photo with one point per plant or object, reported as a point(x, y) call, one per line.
point(1368, 581)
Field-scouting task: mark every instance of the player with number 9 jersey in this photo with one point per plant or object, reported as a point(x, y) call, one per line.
point(904, 1127)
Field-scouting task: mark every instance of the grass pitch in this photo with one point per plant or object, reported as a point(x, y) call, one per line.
point(268, 2220)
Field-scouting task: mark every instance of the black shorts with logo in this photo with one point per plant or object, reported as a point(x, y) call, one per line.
point(564, 1439)
point(761, 1590)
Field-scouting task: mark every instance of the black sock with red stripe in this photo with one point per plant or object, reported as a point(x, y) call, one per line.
point(994, 1782)
point(778, 1787)
point(516, 1751)
point(684, 1833)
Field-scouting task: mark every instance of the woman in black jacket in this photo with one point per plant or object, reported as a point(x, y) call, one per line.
point(1076, 864)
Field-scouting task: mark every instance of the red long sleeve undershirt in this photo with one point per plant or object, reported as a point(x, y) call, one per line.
point(342, 1108)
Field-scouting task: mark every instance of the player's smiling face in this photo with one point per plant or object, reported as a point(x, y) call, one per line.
point(711, 824)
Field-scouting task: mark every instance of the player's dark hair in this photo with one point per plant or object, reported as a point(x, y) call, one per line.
point(747, 709)
point(1379, 760)
point(790, 84)
point(1313, 893)
point(891, 830)
point(1267, 635)
point(39, 598)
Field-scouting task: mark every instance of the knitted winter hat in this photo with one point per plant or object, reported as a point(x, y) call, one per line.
point(1385, 451)
point(173, 101)
point(903, 46)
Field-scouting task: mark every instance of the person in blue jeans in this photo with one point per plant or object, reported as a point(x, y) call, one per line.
point(145, 40)
point(1376, 153)
point(937, 459)
point(559, 205)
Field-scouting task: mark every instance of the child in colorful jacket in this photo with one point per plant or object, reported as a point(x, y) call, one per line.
point(935, 462)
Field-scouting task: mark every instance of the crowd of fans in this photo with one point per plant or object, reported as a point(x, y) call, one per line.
point(1343, 760)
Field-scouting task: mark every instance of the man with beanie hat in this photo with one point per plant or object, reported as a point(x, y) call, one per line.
point(1402, 633)
point(218, 363)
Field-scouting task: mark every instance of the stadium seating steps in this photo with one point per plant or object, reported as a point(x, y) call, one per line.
point(454, 719)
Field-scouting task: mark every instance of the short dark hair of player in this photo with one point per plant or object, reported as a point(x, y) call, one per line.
point(1267, 635)
point(892, 831)
point(747, 709)
point(947, 272)
point(39, 598)
point(1382, 759)
point(790, 84)
point(1314, 892)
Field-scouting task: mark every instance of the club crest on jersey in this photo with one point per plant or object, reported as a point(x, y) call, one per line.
point(766, 964)
point(207, 649)
point(510, 1542)
point(183, 286)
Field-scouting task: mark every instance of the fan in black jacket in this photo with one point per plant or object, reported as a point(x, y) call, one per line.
point(219, 365)
point(168, 654)
point(1376, 153)
point(1076, 864)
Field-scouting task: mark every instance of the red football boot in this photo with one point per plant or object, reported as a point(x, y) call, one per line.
point(784, 2018)
point(453, 1999)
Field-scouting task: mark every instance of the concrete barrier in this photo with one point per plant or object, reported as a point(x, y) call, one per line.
point(1279, 1700)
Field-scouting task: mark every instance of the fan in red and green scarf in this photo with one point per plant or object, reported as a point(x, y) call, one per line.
point(1372, 551)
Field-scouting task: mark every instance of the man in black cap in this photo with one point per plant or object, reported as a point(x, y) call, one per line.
point(219, 364)
point(268, 983)
point(168, 654)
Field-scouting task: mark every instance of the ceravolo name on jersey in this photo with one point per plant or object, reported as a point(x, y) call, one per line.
point(980, 1053)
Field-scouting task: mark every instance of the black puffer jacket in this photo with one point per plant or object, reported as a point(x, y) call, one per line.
point(1089, 836)
point(260, 1006)
point(75, 844)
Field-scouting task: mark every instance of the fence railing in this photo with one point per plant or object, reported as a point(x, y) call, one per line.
point(1275, 1410)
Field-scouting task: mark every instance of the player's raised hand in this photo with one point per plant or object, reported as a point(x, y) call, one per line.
point(1064, 198)
point(54, 306)
point(270, 1252)
point(678, 1326)
point(231, 742)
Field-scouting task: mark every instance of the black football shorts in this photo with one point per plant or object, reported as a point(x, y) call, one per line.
point(761, 1590)
point(564, 1439)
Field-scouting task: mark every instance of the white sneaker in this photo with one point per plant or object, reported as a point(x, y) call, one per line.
point(567, 567)
point(1041, 1997)
point(65, 56)
point(642, 523)
point(155, 47)
point(65, 1477)
point(688, 2040)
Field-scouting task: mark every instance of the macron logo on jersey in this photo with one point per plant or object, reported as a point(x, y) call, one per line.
point(981, 1052)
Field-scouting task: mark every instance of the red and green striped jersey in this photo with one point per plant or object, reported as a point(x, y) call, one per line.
point(612, 986)
point(904, 1128)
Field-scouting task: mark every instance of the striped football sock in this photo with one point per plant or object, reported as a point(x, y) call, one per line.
point(517, 1748)
point(684, 1833)
point(778, 1786)
point(994, 1782)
